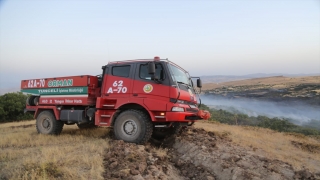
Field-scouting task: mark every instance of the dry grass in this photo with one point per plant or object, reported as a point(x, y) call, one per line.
point(79, 154)
point(275, 82)
point(297, 150)
point(159, 152)
point(75, 154)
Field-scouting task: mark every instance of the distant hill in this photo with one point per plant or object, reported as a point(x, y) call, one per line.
point(274, 80)
point(227, 78)
point(7, 90)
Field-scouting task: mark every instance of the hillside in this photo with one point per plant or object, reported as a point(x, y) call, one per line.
point(275, 82)
point(206, 151)
point(296, 98)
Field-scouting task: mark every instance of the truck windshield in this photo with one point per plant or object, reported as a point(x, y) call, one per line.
point(179, 75)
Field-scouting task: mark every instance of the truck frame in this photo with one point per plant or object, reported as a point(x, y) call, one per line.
point(138, 98)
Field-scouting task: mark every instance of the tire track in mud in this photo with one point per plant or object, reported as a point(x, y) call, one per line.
point(194, 154)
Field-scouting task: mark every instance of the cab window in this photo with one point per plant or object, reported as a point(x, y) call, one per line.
point(143, 72)
point(122, 71)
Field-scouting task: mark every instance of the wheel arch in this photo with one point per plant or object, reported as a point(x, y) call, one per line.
point(128, 106)
point(54, 110)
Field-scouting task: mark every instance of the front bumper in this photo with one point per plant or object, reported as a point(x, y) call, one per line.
point(187, 116)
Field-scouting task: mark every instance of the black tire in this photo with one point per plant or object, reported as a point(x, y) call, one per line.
point(177, 129)
point(29, 100)
point(133, 126)
point(36, 100)
point(161, 133)
point(47, 124)
point(87, 126)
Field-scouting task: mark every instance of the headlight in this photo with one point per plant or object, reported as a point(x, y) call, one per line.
point(180, 101)
point(193, 106)
point(178, 109)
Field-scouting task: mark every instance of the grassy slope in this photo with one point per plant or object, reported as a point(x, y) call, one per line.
point(79, 154)
point(295, 149)
point(74, 154)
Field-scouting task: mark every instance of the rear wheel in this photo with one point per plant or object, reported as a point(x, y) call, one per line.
point(133, 126)
point(47, 124)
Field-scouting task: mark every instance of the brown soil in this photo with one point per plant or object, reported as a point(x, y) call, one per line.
point(194, 154)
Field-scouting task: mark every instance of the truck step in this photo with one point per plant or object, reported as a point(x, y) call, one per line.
point(160, 126)
point(103, 115)
point(108, 105)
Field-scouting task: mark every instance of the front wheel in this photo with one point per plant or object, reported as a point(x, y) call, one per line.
point(47, 124)
point(133, 126)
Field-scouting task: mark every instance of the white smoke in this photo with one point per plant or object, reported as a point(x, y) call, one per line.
point(298, 112)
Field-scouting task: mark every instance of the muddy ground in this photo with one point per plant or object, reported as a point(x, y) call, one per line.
point(194, 154)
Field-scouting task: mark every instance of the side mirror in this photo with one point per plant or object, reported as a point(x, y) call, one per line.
point(199, 83)
point(151, 68)
point(161, 75)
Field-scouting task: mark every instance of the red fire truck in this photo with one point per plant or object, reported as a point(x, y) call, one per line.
point(138, 98)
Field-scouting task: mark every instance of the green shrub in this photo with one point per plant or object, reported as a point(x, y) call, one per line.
point(12, 107)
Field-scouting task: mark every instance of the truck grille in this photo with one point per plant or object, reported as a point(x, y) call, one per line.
point(192, 110)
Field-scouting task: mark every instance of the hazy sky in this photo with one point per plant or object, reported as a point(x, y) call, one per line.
point(57, 38)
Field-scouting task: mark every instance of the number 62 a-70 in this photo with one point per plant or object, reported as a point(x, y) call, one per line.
point(118, 87)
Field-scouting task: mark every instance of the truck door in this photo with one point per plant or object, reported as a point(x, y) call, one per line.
point(155, 94)
point(118, 81)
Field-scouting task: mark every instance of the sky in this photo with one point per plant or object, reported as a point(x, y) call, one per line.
point(52, 38)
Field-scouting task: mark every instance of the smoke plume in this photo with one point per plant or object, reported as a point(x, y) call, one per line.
point(297, 112)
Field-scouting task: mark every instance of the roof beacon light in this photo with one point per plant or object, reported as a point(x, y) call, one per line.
point(157, 58)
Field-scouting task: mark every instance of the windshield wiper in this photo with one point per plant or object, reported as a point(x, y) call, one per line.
point(180, 82)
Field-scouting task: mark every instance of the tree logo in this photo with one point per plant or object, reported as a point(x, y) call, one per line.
point(147, 88)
